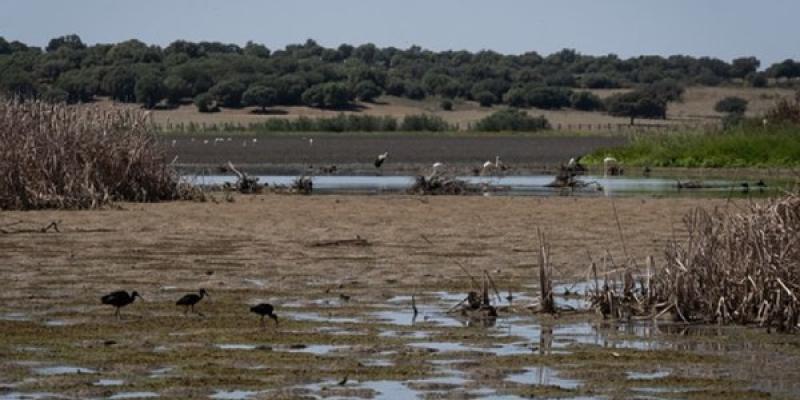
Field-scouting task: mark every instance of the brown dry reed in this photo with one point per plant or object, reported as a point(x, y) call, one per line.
point(78, 157)
point(737, 266)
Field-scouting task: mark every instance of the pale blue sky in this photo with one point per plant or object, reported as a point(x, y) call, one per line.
point(726, 29)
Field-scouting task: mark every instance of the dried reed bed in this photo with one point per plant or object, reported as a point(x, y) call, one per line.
point(741, 267)
point(60, 156)
point(738, 266)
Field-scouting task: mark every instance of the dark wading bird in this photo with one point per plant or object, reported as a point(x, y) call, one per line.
point(265, 310)
point(191, 299)
point(120, 299)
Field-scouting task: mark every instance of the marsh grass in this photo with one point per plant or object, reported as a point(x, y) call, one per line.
point(744, 146)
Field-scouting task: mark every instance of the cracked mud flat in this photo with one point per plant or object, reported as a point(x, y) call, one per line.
point(345, 310)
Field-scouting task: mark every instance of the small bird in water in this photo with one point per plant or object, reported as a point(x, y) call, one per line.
point(119, 299)
point(265, 310)
point(188, 301)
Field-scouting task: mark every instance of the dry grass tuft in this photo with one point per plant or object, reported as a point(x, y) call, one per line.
point(60, 156)
point(741, 267)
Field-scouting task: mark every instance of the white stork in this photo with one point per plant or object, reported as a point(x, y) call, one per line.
point(610, 165)
point(381, 158)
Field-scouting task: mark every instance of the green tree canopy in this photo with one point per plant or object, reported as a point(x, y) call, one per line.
point(731, 105)
point(260, 96)
point(149, 90)
point(367, 91)
point(69, 41)
point(636, 105)
point(228, 93)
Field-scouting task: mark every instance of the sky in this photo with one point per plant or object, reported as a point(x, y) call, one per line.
point(725, 29)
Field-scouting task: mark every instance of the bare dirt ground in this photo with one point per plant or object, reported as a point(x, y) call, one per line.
point(697, 107)
point(334, 338)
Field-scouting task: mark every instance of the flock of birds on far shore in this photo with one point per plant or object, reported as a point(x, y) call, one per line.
point(611, 166)
point(121, 298)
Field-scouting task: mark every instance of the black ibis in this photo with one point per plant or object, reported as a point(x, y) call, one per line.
point(265, 310)
point(381, 158)
point(188, 301)
point(120, 299)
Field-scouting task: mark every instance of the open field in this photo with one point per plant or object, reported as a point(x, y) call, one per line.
point(345, 309)
point(696, 108)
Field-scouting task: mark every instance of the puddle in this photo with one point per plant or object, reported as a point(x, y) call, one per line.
point(318, 349)
point(236, 346)
point(133, 395)
point(499, 350)
point(28, 396)
point(161, 372)
point(377, 363)
point(647, 375)
point(406, 334)
point(661, 390)
point(543, 376)
point(233, 394)
point(585, 333)
point(109, 382)
point(384, 390)
point(450, 298)
point(443, 346)
point(332, 330)
point(57, 322)
point(314, 317)
point(406, 318)
point(63, 370)
point(256, 282)
point(31, 349)
point(15, 317)
point(455, 379)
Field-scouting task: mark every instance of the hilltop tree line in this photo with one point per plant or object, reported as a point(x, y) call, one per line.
point(213, 75)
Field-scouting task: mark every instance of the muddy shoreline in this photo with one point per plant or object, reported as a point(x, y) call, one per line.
point(345, 309)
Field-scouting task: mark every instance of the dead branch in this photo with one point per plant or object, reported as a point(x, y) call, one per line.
point(358, 241)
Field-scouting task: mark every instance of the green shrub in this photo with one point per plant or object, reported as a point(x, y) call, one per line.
point(586, 101)
point(446, 105)
point(549, 98)
point(731, 105)
point(511, 120)
point(205, 103)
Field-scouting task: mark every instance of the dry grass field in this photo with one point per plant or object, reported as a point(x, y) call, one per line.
point(696, 108)
point(345, 310)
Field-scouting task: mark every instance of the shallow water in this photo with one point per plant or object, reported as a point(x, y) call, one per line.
point(532, 185)
point(233, 394)
point(133, 395)
point(29, 396)
point(543, 376)
point(63, 370)
point(109, 382)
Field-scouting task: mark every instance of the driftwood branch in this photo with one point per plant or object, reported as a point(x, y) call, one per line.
point(358, 241)
point(53, 225)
